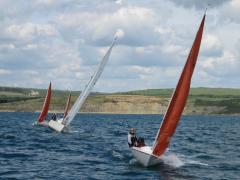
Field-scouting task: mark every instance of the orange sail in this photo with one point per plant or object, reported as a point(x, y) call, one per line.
point(179, 98)
point(67, 106)
point(45, 108)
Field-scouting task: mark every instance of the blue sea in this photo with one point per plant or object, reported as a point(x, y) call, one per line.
point(203, 147)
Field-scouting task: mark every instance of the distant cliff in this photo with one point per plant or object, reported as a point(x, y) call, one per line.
point(151, 101)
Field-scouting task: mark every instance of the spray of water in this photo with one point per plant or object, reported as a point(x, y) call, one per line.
point(172, 160)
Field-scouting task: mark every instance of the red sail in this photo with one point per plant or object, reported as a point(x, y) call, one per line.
point(67, 106)
point(179, 98)
point(45, 108)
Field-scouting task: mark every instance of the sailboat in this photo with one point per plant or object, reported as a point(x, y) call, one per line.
point(149, 156)
point(61, 124)
point(42, 117)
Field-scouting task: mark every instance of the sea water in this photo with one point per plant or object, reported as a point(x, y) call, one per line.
point(95, 147)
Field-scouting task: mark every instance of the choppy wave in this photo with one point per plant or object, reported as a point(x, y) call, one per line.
point(204, 147)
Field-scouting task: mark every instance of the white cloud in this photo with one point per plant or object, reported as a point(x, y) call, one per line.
point(140, 69)
point(119, 2)
point(211, 45)
point(171, 48)
point(63, 41)
point(120, 33)
point(230, 11)
point(235, 4)
point(227, 64)
point(45, 2)
point(136, 22)
point(29, 31)
point(200, 4)
point(7, 46)
point(4, 72)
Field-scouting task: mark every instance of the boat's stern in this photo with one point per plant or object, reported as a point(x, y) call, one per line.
point(56, 125)
point(144, 156)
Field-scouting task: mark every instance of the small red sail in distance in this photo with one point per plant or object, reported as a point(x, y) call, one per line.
point(45, 108)
point(179, 98)
point(67, 106)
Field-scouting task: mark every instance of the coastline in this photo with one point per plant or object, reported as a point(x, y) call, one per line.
point(201, 101)
point(122, 113)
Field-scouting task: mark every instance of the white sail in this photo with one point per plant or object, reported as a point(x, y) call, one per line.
point(84, 94)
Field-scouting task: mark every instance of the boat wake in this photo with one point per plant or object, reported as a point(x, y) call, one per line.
point(116, 154)
point(68, 130)
point(188, 160)
point(174, 161)
point(194, 162)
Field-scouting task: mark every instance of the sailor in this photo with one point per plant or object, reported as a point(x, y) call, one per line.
point(132, 139)
point(54, 117)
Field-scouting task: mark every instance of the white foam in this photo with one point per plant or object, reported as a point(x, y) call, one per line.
point(117, 154)
point(133, 161)
point(172, 160)
point(189, 160)
point(70, 131)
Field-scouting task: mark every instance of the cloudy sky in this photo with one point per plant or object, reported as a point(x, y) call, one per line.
point(64, 40)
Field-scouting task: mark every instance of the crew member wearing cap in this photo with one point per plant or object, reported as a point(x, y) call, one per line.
point(132, 139)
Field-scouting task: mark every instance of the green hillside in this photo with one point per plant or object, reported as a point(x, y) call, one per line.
point(227, 99)
point(200, 101)
point(227, 92)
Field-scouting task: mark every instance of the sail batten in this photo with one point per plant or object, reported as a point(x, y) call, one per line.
point(44, 112)
point(84, 94)
point(179, 98)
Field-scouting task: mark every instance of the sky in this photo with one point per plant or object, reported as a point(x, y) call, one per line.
point(63, 41)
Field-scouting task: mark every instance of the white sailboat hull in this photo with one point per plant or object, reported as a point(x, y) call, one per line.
point(56, 125)
point(145, 157)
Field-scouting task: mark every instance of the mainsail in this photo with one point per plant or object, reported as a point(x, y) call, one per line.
point(84, 94)
point(179, 98)
point(45, 107)
point(67, 106)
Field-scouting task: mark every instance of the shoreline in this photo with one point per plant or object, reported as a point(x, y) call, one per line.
point(201, 101)
point(117, 113)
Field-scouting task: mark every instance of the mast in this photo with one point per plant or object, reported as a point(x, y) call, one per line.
point(179, 98)
point(84, 94)
point(46, 104)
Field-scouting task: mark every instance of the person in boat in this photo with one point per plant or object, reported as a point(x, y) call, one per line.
point(132, 138)
point(54, 117)
point(140, 142)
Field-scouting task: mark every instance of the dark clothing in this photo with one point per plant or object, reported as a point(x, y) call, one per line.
point(140, 142)
point(132, 140)
point(54, 117)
